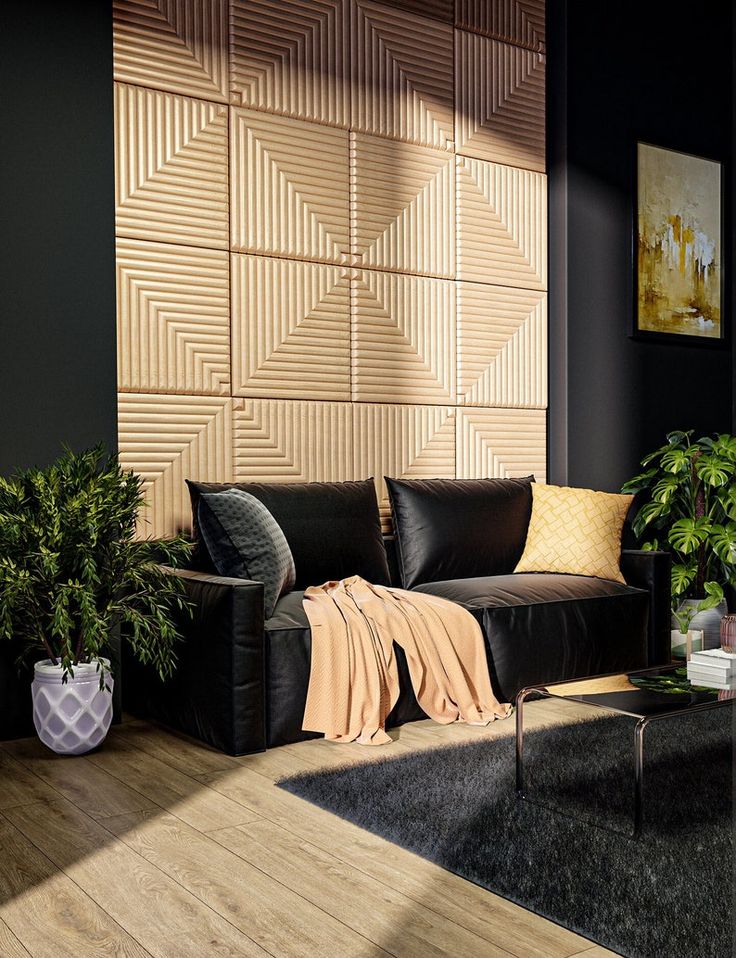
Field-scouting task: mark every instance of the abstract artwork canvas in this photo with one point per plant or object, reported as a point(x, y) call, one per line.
point(679, 245)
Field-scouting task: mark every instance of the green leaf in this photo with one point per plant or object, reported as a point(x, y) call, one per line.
point(648, 513)
point(676, 460)
point(687, 535)
point(640, 482)
point(666, 488)
point(713, 471)
point(682, 577)
point(723, 542)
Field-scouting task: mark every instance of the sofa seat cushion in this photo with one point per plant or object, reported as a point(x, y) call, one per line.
point(544, 627)
point(288, 658)
point(520, 588)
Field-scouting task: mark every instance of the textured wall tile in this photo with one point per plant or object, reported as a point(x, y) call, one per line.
point(174, 45)
point(170, 168)
point(499, 102)
point(167, 439)
point(401, 75)
point(501, 442)
point(516, 21)
point(402, 206)
point(502, 346)
point(501, 224)
point(173, 318)
point(403, 339)
point(289, 57)
point(282, 441)
point(291, 329)
point(416, 442)
point(439, 9)
point(289, 184)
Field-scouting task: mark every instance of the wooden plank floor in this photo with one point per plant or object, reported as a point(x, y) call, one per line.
point(156, 847)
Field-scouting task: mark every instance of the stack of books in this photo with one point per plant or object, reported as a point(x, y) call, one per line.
point(712, 668)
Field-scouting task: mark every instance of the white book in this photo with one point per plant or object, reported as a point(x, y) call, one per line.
point(707, 681)
point(715, 659)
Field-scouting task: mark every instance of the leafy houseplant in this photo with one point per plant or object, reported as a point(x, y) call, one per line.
point(72, 572)
point(690, 510)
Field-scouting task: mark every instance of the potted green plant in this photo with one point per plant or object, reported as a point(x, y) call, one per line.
point(689, 508)
point(73, 576)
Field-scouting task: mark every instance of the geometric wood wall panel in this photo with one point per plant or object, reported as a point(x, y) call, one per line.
point(290, 57)
point(414, 442)
point(167, 439)
point(289, 187)
point(174, 45)
point(403, 206)
point(499, 102)
point(501, 224)
point(439, 9)
point(173, 307)
point(291, 329)
point(502, 346)
point(282, 441)
point(403, 339)
point(515, 21)
point(501, 443)
point(402, 75)
point(170, 168)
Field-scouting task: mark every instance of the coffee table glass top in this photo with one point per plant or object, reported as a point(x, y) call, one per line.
point(643, 694)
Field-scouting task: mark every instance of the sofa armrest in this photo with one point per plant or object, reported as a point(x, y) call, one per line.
point(651, 571)
point(217, 693)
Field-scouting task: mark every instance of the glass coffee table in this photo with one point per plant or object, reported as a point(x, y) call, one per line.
point(646, 695)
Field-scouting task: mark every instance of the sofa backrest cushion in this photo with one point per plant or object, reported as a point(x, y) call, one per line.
point(244, 541)
point(333, 528)
point(459, 528)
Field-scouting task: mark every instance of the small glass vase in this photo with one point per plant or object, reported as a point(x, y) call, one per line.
point(728, 634)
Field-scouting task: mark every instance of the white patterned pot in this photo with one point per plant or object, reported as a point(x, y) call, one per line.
point(71, 717)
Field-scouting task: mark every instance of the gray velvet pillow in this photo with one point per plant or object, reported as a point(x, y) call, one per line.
point(245, 542)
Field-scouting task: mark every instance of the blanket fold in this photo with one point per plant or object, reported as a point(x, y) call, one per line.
point(354, 683)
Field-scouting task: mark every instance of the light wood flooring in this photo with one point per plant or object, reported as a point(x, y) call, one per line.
point(156, 846)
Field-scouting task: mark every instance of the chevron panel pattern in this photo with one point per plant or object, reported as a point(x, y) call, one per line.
point(170, 168)
point(291, 329)
point(174, 45)
point(282, 441)
point(501, 224)
point(403, 339)
point(331, 235)
point(414, 442)
point(402, 75)
point(173, 318)
point(501, 442)
point(501, 346)
point(290, 188)
point(402, 206)
point(289, 57)
point(167, 440)
point(439, 9)
point(499, 102)
point(516, 21)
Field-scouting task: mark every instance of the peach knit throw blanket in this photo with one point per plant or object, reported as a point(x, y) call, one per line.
point(354, 683)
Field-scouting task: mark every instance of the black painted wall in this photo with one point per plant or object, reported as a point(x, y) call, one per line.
point(57, 267)
point(617, 74)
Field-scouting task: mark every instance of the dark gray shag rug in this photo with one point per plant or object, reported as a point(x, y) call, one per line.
point(669, 893)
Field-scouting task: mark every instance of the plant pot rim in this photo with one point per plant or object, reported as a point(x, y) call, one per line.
point(48, 671)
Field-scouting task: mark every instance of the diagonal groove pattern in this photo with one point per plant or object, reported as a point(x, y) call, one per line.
point(291, 329)
point(501, 442)
point(170, 168)
point(173, 318)
point(303, 169)
point(175, 45)
point(499, 102)
point(401, 75)
point(403, 339)
point(289, 58)
point(502, 346)
point(520, 22)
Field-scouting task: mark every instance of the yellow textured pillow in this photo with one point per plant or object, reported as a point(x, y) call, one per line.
point(577, 531)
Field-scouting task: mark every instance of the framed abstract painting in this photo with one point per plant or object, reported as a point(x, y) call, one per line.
point(678, 247)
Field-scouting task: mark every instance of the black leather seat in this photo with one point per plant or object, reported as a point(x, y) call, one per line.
point(540, 624)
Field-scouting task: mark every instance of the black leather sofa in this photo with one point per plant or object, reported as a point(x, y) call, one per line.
point(241, 682)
